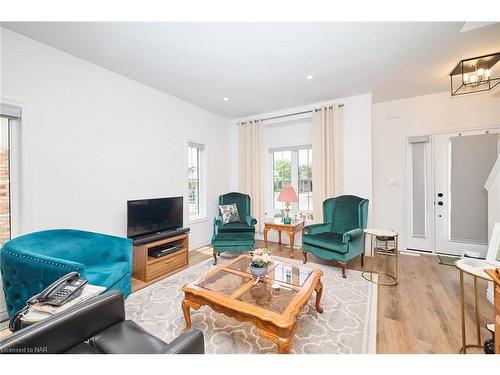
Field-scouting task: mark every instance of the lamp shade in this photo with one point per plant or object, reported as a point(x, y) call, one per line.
point(288, 194)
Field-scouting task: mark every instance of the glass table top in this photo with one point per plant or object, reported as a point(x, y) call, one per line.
point(223, 282)
point(273, 293)
point(263, 295)
point(277, 271)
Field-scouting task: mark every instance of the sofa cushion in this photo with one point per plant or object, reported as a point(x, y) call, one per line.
point(106, 274)
point(236, 227)
point(127, 337)
point(83, 348)
point(327, 240)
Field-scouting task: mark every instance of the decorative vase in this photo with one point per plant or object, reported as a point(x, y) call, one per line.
point(258, 271)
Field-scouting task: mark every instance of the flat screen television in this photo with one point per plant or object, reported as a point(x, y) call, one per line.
point(148, 216)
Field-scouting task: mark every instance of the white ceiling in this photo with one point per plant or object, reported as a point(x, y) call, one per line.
point(261, 67)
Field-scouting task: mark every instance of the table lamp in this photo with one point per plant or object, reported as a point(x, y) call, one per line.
point(287, 195)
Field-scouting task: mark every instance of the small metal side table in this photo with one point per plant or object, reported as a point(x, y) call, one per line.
point(475, 268)
point(385, 236)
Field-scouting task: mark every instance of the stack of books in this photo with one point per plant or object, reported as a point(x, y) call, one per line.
point(39, 311)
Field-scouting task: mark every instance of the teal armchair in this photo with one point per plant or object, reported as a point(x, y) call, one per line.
point(31, 262)
point(239, 236)
point(247, 223)
point(340, 237)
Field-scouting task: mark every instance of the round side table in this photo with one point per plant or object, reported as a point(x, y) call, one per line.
point(386, 236)
point(475, 268)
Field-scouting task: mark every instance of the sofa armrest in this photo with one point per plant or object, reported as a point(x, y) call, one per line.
point(352, 235)
point(318, 228)
point(63, 331)
point(218, 221)
point(250, 220)
point(112, 248)
point(190, 342)
point(20, 268)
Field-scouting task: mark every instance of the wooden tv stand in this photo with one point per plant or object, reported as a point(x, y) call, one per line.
point(147, 268)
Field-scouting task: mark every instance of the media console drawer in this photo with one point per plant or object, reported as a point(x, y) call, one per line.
point(166, 264)
point(147, 268)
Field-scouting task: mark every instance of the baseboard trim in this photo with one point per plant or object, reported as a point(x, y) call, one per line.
point(3, 316)
point(199, 245)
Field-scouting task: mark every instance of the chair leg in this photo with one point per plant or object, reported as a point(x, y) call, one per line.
point(362, 259)
point(305, 257)
point(344, 266)
point(215, 258)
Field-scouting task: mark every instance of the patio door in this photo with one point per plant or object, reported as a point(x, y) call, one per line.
point(462, 163)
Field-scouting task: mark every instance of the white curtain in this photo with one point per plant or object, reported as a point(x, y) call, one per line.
point(250, 165)
point(327, 166)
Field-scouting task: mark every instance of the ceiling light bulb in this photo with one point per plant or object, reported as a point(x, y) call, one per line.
point(480, 72)
point(487, 73)
point(466, 77)
point(309, 77)
point(226, 99)
point(473, 78)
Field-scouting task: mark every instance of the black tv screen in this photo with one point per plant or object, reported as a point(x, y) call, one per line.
point(147, 216)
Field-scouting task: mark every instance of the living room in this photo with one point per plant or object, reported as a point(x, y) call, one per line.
point(250, 187)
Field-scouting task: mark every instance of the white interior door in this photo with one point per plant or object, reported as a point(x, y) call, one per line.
point(462, 163)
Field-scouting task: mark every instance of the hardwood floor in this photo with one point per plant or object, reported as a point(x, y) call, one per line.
point(420, 315)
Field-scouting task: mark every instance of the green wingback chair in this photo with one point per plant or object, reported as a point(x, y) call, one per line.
point(239, 236)
point(340, 237)
point(247, 223)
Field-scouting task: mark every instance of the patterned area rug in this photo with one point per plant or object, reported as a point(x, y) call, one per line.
point(347, 325)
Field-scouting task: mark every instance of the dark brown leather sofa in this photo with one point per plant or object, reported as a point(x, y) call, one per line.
point(97, 326)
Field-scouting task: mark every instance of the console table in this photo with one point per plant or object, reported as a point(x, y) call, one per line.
point(294, 227)
point(475, 268)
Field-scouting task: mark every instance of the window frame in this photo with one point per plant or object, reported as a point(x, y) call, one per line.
point(201, 150)
point(14, 178)
point(294, 207)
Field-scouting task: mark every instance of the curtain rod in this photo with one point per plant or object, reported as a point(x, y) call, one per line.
point(292, 114)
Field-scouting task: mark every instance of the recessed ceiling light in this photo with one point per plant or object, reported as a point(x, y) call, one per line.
point(226, 99)
point(309, 77)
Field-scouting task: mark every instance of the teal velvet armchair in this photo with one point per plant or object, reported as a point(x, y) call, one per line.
point(238, 236)
point(340, 237)
point(31, 262)
point(247, 223)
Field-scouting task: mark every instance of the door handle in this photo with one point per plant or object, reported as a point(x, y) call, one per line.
point(440, 203)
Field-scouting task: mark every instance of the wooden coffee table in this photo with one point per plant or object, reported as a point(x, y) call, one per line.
point(294, 227)
point(231, 290)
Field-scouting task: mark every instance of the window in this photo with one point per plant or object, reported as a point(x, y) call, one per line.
point(282, 174)
point(5, 213)
point(195, 180)
point(293, 166)
point(10, 119)
point(305, 179)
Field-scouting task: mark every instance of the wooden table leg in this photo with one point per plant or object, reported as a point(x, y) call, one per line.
point(187, 315)
point(266, 230)
point(291, 236)
point(284, 343)
point(319, 293)
point(279, 237)
point(186, 306)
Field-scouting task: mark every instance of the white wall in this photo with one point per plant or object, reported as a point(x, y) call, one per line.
point(294, 131)
point(100, 139)
point(419, 115)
